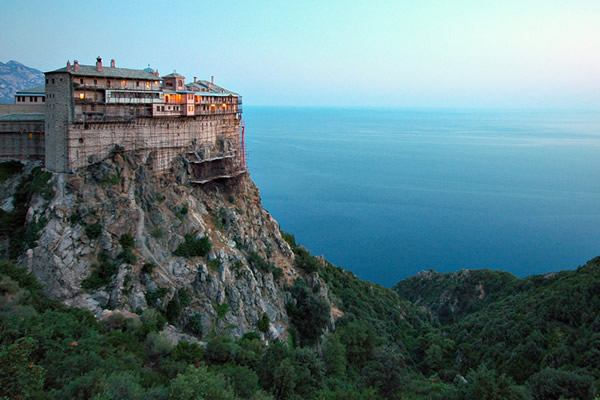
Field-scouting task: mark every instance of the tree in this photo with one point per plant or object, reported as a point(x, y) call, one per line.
point(310, 314)
point(198, 383)
point(485, 384)
point(334, 353)
point(553, 384)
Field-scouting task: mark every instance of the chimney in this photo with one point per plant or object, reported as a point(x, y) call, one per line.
point(112, 63)
point(195, 79)
point(75, 65)
point(68, 65)
point(99, 64)
point(212, 79)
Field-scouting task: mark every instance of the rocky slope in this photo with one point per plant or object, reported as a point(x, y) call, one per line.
point(15, 76)
point(85, 256)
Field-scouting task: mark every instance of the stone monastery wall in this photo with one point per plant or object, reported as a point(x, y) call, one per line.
point(157, 140)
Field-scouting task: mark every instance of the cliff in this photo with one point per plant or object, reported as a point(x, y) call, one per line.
point(116, 237)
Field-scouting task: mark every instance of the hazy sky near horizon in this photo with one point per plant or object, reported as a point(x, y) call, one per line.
point(469, 53)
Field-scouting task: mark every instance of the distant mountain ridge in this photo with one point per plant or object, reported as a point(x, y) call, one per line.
point(15, 76)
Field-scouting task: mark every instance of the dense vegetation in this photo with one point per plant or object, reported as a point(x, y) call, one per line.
point(542, 332)
point(467, 335)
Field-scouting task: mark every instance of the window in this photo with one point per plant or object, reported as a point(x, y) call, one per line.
point(147, 85)
point(95, 82)
point(108, 83)
point(52, 80)
point(124, 83)
point(82, 96)
point(137, 84)
point(46, 81)
point(81, 81)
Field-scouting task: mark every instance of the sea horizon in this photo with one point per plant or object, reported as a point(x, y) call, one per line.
point(389, 192)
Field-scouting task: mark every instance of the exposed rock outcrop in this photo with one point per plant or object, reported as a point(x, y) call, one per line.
point(227, 290)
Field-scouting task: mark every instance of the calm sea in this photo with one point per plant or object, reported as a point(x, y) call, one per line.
point(388, 193)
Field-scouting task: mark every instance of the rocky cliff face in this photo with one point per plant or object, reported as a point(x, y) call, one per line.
point(86, 257)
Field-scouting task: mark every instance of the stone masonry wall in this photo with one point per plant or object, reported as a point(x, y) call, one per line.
point(157, 140)
point(22, 140)
point(58, 117)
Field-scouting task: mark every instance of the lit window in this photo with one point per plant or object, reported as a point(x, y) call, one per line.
point(82, 96)
point(147, 85)
point(224, 105)
point(124, 83)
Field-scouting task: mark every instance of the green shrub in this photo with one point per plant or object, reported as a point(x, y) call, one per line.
point(75, 218)
point(173, 311)
point(182, 212)
point(127, 256)
point(220, 350)
point(158, 344)
point(102, 273)
point(154, 320)
point(194, 325)
point(152, 297)
point(148, 268)
point(221, 310)
point(126, 241)
point(289, 238)
point(259, 263)
point(214, 264)
point(219, 219)
point(193, 247)
point(263, 323)
point(32, 232)
point(304, 260)
point(157, 233)
point(93, 230)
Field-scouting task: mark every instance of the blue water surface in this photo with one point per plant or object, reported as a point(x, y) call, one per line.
point(388, 193)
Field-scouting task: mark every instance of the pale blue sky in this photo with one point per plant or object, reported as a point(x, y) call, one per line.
point(340, 53)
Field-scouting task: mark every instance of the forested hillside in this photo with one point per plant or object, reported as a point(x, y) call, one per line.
point(324, 333)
